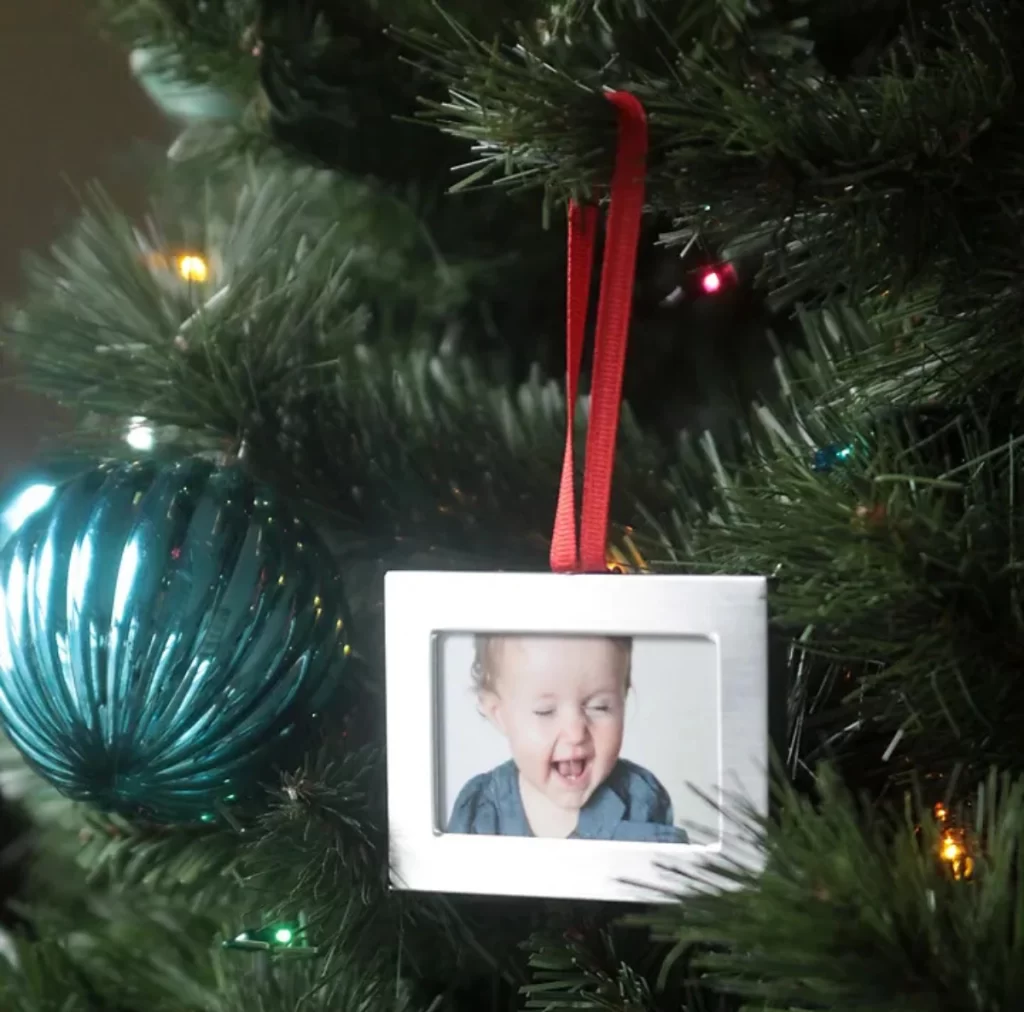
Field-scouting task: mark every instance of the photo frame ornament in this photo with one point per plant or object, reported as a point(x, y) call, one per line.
point(526, 856)
point(423, 607)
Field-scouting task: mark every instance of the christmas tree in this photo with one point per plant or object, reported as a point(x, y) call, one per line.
point(822, 387)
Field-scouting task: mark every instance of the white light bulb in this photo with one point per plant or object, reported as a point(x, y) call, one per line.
point(140, 435)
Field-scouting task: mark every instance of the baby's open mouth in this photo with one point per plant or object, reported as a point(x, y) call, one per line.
point(571, 770)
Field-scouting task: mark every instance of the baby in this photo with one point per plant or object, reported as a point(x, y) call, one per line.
point(560, 701)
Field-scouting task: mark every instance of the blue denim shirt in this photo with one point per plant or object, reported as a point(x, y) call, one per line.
point(631, 804)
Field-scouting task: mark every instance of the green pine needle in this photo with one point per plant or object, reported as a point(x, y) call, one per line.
point(855, 909)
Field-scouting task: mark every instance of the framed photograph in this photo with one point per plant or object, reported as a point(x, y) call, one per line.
point(572, 736)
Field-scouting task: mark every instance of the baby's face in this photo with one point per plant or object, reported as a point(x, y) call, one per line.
point(561, 704)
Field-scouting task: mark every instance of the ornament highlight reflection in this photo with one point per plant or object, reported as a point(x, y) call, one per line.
point(25, 504)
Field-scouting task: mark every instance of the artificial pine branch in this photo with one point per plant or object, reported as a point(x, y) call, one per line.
point(322, 846)
point(293, 985)
point(853, 172)
point(121, 956)
point(578, 970)
point(302, 346)
point(201, 43)
point(107, 952)
point(593, 961)
point(855, 909)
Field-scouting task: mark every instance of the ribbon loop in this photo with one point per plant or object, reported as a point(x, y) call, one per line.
point(615, 303)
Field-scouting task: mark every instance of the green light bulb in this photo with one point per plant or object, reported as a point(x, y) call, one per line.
point(283, 935)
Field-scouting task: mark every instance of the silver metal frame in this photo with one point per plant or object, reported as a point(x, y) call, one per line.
point(421, 606)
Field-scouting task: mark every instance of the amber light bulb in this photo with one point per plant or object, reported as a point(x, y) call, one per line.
point(192, 267)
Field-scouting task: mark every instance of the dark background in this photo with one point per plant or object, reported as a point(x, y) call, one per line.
point(70, 113)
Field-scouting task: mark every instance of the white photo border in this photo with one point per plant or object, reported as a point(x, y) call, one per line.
point(422, 606)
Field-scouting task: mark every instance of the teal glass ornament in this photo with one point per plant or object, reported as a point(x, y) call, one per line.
point(168, 637)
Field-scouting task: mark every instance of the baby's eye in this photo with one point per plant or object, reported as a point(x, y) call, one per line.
point(543, 713)
point(600, 707)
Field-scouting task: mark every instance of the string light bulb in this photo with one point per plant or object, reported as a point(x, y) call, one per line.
point(953, 850)
point(140, 435)
point(711, 282)
point(953, 845)
point(627, 558)
point(275, 939)
point(715, 279)
point(192, 267)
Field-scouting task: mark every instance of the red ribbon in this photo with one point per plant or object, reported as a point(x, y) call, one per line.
point(610, 339)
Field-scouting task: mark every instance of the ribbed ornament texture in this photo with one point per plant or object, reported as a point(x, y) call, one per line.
point(169, 636)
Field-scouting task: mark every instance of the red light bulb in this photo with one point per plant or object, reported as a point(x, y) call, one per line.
point(711, 282)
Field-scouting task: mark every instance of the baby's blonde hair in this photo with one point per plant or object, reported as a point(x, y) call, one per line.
point(485, 679)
